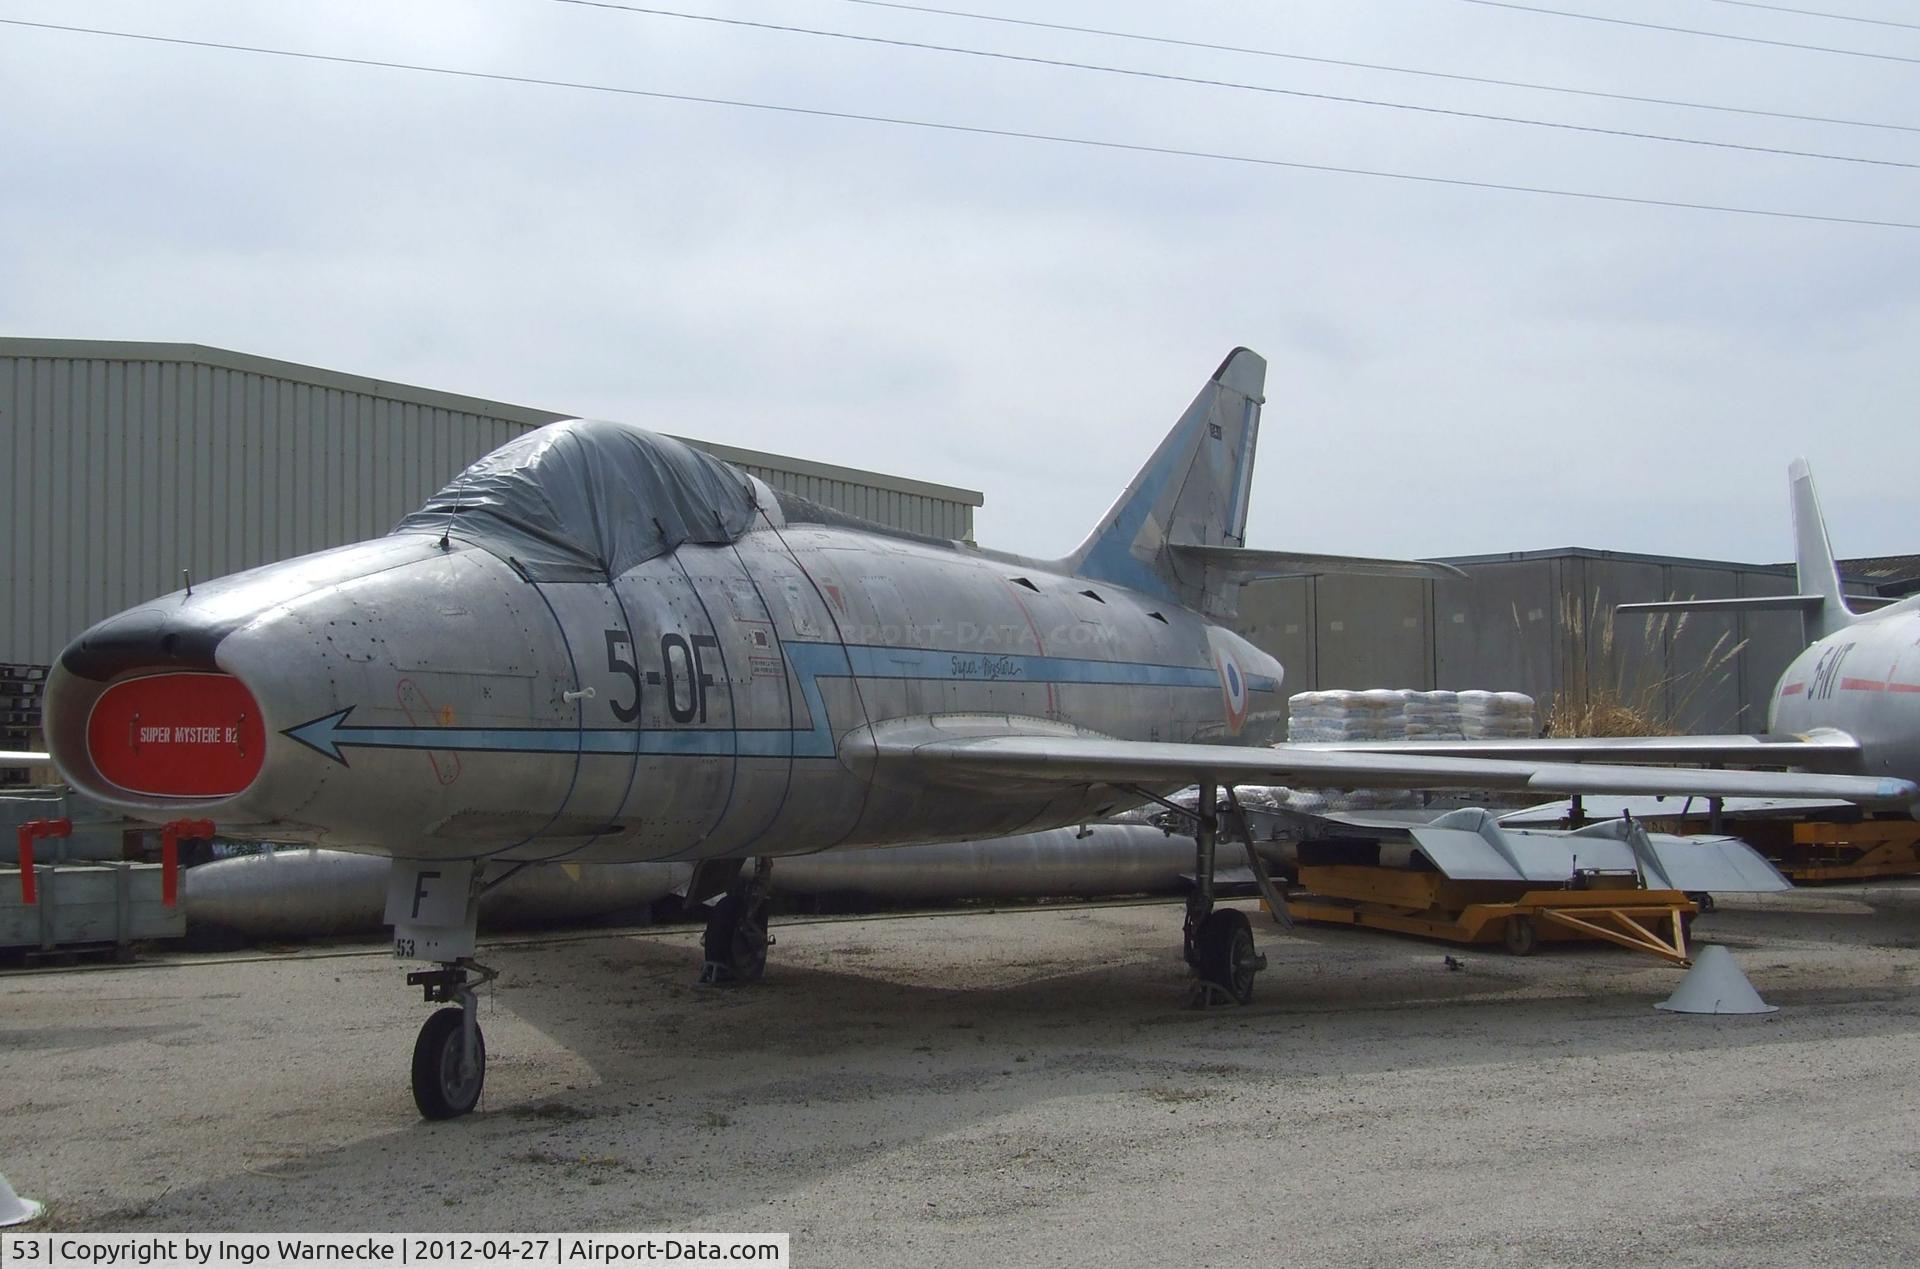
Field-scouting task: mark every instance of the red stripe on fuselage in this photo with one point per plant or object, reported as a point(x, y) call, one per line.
point(1863, 685)
point(1793, 689)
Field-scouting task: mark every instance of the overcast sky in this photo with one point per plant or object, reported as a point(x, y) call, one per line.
point(1453, 370)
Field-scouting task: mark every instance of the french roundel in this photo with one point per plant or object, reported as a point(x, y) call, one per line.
point(1233, 689)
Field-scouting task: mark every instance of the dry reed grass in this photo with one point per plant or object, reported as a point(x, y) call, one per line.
point(1606, 703)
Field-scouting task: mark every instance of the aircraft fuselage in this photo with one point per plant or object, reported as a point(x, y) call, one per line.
point(421, 700)
point(1863, 680)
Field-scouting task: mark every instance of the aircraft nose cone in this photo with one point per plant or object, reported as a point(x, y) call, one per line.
point(139, 709)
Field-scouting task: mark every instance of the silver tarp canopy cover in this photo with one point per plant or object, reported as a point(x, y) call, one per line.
point(585, 499)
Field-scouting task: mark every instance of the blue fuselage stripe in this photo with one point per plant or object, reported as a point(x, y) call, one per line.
point(811, 663)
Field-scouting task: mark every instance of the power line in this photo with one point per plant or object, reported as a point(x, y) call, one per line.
point(962, 128)
point(1815, 13)
point(1687, 30)
point(1168, 77)
point(1374, 66)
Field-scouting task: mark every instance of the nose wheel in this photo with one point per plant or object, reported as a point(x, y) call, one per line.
point(450, 1053)
point(448, 1070)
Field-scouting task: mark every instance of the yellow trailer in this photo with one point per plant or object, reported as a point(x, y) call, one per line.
point(1611, 907)
point(1825, 850)
point(1852, 852)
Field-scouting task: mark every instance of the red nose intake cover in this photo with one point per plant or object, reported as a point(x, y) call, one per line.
point(180, 735)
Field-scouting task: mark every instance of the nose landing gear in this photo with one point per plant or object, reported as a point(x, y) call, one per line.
point(450, 1054)
point(434, 908)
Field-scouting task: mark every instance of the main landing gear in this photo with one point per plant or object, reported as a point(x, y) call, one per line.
point(1218, 942)
point(736, 938)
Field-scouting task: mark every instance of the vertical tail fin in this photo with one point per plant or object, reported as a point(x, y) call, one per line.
point(1814, 570)
point(1192, 492)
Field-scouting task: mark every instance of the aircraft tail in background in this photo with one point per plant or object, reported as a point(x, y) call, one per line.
point(1180, 528)
point(1815, 573)
point(1818, 599)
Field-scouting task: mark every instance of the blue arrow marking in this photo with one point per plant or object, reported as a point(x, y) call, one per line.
point(320, 734)
point(331, 733)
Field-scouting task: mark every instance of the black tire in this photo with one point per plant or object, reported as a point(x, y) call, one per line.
point(1226, 953)
point(438, 1090)
point(736, 937)
point(1521, 935)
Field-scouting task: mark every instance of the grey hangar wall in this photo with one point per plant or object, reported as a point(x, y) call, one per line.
point(1540, 622)
point(128, 462)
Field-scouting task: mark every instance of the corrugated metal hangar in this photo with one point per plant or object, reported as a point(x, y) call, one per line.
point(132, 461)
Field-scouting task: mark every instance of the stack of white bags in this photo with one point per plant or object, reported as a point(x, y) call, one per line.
point(1434, 715)
point(1496, 715)
point(1400, 714)
point(1386, 714)
point(1327, 716)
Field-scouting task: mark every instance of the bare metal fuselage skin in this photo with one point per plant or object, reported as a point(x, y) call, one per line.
point(424, 700)
point(1863, 680)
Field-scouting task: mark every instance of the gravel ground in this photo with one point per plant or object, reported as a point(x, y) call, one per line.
point(1017, 1087)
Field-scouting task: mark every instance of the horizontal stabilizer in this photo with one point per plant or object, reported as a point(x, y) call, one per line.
point(1245, 565)
point(1753, 603)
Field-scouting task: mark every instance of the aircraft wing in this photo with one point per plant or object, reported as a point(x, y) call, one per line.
point(10, 758)
point(1028, 759)
point(1823, 747)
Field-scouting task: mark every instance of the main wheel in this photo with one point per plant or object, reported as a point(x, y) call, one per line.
point(1521, 935)
point(736, 937)
point(1226, 953)
point(443, 1086)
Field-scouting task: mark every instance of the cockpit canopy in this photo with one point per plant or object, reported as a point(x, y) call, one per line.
point(585, 500)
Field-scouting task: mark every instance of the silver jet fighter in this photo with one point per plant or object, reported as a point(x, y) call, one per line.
point(599, 644)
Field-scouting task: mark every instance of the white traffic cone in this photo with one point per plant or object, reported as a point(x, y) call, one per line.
point(1715, 984)
point(15, 1210)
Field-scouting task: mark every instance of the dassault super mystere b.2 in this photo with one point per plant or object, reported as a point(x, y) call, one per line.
point(599, 644)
